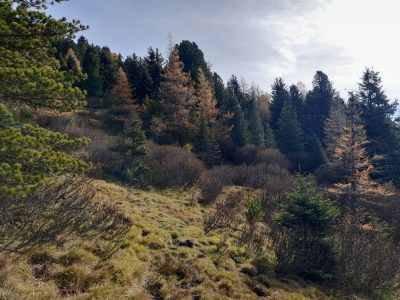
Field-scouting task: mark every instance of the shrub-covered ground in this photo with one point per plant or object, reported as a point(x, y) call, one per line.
point(165, 255)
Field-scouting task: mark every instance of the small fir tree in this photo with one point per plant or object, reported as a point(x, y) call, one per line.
point(301, 239)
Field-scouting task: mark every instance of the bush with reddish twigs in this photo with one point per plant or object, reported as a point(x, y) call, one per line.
point(171, 167)
point(254, 155)
point(269, 177)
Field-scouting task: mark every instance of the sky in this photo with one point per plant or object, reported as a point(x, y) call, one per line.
point(258, 40)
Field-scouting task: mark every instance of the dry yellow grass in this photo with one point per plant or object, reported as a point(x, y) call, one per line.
point(153, 262)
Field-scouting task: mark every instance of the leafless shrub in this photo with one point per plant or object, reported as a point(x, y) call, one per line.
point(171, 167)
point(368, 261)
point(212, 182)
point(238, 212)
point(227, 214)
point(84, 124)
point(55, 212)
point(6, 269)
point(254, 236)
point(269, 177)
point(253, 155)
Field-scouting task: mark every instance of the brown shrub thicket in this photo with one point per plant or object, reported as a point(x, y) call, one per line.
point(368, 262)
point(171, 167)
point(55, 212)
point(227, 213)
point(253, 155)
point(238, 212)
point(85, 124)
point(212, 182)
point(272, 178)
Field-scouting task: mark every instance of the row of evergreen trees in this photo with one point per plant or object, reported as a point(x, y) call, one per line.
point(181, 101)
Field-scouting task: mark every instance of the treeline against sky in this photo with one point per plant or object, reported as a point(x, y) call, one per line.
point(181, 101)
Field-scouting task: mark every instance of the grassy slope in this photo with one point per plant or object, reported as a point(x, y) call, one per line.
point(149, 263)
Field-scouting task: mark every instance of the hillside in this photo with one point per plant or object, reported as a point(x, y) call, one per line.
point(149, 177)
point(166, 255)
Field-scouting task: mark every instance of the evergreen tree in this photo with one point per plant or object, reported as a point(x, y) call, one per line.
point(234, 87)
point(81, 46)
point(317, 105)
point(269, 137)
point(193, 60)
point(132, 147)
point(30, 155)
point(64, 45)
point(315, 154)
point(30, 76)
point(280, 96)
point(143, 84)
point(377, 113)
point(290, 136)
point(108, 69)
point(256, 129)
point(131, 68)
point(220, 94)
point(305, 223)
point(29, 70)
point(240, 133)
point(91, 66)
point(154, 61)
point(296, 97)
point(206, 146)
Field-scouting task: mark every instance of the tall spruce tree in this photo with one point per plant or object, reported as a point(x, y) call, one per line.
point(143, 84)
point(154, 61)
point(290, 136)
point(81, 46)
point(91, 66)
point(206, 145)
point(256, 129)
point(317, 105)
point(315, 153)
point(297, 99)
point(240, 132)
point(220, 94)
point(193, 60)
point(377, 114)
point(108, 68)
point(280, 96)
point(131, 68)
